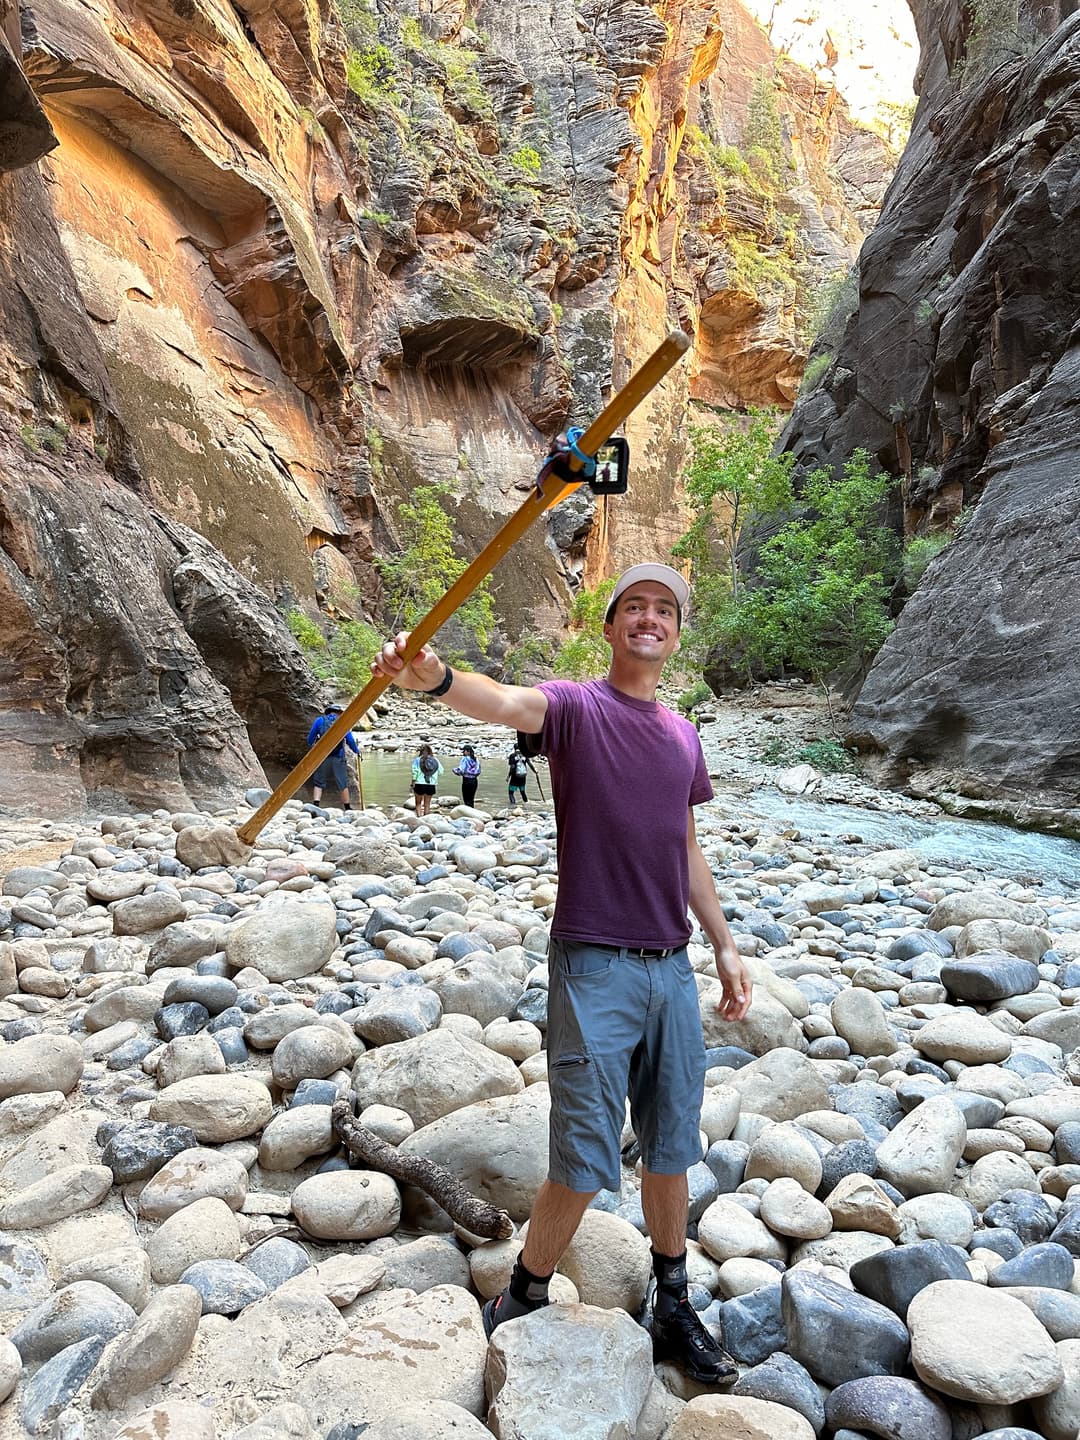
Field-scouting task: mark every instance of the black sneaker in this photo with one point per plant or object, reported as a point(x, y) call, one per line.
point(681, 1338)
point(505, 1307)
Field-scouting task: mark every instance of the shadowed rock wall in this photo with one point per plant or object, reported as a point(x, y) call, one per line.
point(958, 368)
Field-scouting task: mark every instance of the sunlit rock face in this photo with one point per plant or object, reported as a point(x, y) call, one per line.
point(867, 49)
point(266, 273)
point(958, 369)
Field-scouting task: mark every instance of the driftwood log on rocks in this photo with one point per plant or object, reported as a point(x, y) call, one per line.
point(476, 1216)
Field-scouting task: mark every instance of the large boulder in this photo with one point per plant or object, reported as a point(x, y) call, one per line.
point(980, 1345)
point(781, 1085)
point(430, 1346)
point(738, 1417)
point(766, 1026)
point(284, 942)
point(433, 1074)
point(216, 1107)
point(570, 1370)
point(920, 1155)
point(838, 1334)
point(498, 1148)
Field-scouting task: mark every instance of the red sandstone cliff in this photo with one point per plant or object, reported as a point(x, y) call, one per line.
point(266, 272)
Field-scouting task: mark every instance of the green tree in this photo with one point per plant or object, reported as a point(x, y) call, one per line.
point(428, 566)
point(343, 655)
point(820, 604)
point(585, 654)
point(763, 133)
point(733, 480)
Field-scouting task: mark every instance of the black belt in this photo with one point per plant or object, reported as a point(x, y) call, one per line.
point(642, 954)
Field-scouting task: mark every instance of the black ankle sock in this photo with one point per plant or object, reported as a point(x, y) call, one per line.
point(671, 1283)
point(346, 806)
point(529, 1289)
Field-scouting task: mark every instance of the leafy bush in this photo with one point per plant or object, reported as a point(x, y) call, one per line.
point(54, 437)
point(586, 654)
point(917, 556)
point(527, 159)
point(733, 478)
point(342, 656)
point(29, 436)
point(427, 567)
point(697, 694)
point(819, 604)
point(757, 270)
point(830, 305)
point(815, 371)
point(371, 75)
point(826, 755)
point(999, 32)
point(526, 656)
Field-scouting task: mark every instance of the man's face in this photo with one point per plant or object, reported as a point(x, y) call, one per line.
point(645, 625)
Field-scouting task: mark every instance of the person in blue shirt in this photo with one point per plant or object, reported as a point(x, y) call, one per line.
point(334, 769)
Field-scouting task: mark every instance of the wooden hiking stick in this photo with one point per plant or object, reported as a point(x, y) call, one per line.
point(476, 1216)
point(539, 500)
point(360, 780)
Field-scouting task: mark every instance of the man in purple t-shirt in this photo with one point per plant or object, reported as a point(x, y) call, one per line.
point(623, 1016)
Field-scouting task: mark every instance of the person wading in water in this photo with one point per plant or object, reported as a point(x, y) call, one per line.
point(469, 770)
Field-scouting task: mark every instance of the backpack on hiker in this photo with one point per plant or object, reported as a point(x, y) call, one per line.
point(518, 768)
point(429, 766)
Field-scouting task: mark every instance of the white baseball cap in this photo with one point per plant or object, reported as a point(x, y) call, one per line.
point(662, 574)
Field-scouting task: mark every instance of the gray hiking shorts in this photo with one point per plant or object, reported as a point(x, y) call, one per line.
point(621, 1025)
point(333, 771)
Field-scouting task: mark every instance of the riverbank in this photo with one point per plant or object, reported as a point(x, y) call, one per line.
point(891, 1153)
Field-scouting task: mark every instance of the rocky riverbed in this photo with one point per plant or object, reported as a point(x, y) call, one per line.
point(886, 1216)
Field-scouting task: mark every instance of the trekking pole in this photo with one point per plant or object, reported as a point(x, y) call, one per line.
point(536, 774)
point(579, 458)
point(360, 780)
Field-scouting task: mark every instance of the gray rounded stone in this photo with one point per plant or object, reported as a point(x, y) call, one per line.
point(894, 1277)
point(77, 1312)
point(139, 1150)
point(225, 1287)
point(785, 1382)
point(889, 1406)
point(1047, 1265)
point(277, 1260)
point(839, 1334)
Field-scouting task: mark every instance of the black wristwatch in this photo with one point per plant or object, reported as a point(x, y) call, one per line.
point(444, 684)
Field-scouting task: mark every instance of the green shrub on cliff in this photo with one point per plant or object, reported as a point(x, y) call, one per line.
point(428, 566)
point(343, 655)
point(816, 596)
point(917, 556)
point(999, 32)
point(585, 654)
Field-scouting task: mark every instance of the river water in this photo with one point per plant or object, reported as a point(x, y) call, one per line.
point(941, 838)
point(996, 849)
point(388, 778)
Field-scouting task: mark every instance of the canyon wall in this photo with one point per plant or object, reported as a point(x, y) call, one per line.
point(268, 267)
point(958, 367)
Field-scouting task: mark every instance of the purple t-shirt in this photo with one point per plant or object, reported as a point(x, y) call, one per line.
point(623, 775)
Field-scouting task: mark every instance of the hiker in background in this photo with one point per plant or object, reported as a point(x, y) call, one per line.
point(334, 769)
point(517, 774)
point(469, 770)
point(425, 776)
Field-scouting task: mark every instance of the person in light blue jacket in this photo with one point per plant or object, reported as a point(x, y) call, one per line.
point(425, 777)
point(469, 770)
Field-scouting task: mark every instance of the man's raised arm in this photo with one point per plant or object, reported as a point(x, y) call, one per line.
point(521, 707)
